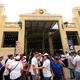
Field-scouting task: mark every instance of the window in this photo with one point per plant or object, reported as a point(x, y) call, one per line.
point(73, 35)
point(9, 39)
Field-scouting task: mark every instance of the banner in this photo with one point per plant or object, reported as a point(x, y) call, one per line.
point(18, 48)
point(70, 44)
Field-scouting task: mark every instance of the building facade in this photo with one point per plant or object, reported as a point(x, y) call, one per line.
point(40, 31)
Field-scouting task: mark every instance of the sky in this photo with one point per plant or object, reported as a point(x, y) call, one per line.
point(13, 8)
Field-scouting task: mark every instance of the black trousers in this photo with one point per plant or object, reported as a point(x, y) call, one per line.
point(17, 79)
point(47, 78)
point(1, 73)
point(1, 77)
point(7, 77)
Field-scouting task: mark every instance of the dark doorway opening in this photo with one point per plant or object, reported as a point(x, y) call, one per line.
point(37, 36)
point(37, 41)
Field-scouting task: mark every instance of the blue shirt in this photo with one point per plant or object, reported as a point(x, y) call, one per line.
point(57, 68)
point(1, 65)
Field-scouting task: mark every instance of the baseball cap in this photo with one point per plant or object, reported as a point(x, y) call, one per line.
point(46, 54)
point(56, 57)
point(17, 57)
point(63, 56)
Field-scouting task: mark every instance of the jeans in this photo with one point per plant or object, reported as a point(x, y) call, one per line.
point(47, 78)
point(34, 77)
point(77, 75)
point(6, 77)
point(58, 78)
point(62, 78)
point(72, 73)
point(41, 78)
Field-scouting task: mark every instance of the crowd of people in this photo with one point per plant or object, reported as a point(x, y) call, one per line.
point(38, 66)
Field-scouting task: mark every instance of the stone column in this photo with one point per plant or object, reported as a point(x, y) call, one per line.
point(50, 43)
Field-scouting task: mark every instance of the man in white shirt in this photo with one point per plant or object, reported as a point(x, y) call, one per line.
point(46, 68)
point(15, 69)
point(34, 64)
point(76, 63)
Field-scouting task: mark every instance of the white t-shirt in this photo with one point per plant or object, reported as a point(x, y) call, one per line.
point(70, 62)
point(76, 61)
point(46, 70)
point(16, 73)
point(9, 62)
point(35, 63)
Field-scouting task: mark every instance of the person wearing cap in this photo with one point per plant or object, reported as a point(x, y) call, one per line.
point(57, 69)
point(46, 67)
point(15, 69)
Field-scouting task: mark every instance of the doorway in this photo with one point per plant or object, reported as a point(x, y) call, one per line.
point(37, 36)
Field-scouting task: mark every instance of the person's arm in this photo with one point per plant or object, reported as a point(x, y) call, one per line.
point(34, 69)
point(42, 67)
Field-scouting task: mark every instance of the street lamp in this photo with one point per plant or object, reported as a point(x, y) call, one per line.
point(20, 24)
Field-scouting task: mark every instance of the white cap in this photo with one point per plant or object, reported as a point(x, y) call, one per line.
point(25, 57)
point(46, 54)
point(17, 57)
point(39, 53)
point(62, 55)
